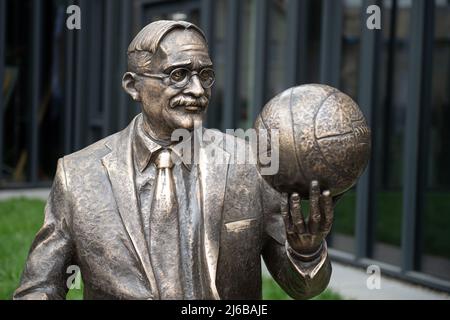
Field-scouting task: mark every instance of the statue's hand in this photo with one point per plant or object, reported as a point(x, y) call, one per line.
point(306, 237)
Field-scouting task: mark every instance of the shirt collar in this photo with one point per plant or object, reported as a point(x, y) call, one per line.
point(144, 147)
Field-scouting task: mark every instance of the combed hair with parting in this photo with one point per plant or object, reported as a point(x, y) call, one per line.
point(144, 45)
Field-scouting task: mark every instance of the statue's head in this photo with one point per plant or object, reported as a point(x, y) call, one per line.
point(170, 73)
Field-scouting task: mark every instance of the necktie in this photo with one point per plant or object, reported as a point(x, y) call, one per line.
point(164, 230)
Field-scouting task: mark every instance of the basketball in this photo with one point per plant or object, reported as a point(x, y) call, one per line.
point(322, 135)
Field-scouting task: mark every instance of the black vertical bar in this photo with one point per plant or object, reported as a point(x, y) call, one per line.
point(261, 52)
point(125, 31)
point(207, 25)
point(95, 18)
point(81, 77)
point(106, 65)
point(231, 98)
point(207, 22)
point(390, 89)
point(2, 73)
point(69, 81)
point(297, 40)
point(421, 46)
point(33, 138)
point(330, 51)
point(368, 89)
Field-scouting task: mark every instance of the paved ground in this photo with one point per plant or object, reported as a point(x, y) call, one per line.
point(28, 193)
point(349, 281)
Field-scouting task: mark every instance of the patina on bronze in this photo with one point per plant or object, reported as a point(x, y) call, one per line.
point(142, 227)
point(323, 136)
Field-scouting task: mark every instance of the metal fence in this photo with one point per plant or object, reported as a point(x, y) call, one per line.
point(259, 47)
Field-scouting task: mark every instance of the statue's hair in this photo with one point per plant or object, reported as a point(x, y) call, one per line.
point(144, 45)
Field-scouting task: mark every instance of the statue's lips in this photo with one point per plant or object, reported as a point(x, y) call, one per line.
point(189, 105)
point(193, 108)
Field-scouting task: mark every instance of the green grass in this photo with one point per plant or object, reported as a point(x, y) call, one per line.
point(75, 294)
point(20, 219)
point(272, 291)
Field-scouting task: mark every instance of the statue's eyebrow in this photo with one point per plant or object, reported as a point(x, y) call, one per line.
point(204, 64)
point(184, 63)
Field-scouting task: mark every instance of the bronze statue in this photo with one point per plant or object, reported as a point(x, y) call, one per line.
point(143, 226)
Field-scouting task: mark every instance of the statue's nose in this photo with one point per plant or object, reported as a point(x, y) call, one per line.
point(195, 87)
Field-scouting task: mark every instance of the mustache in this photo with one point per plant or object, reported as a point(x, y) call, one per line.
point(189, 101)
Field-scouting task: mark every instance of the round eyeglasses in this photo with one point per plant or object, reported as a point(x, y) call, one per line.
point(180, 77)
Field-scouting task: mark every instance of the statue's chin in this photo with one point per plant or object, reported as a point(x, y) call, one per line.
point(186, 120)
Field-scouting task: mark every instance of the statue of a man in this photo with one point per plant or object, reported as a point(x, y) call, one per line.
point(142, 226)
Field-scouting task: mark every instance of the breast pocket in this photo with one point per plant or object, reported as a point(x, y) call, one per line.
point(241, 225)
point(241, 243)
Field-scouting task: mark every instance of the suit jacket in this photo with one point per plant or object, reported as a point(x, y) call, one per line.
point(92, 220)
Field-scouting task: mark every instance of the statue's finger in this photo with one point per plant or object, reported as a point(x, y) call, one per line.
point(285, 213)
point(327, 211)
point(296, 213)
point(314, 208)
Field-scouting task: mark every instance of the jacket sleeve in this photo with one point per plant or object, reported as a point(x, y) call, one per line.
point(301, 279)
point(44, 276)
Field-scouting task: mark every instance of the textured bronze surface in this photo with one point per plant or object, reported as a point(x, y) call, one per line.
point(323, 137)
point(101, 214)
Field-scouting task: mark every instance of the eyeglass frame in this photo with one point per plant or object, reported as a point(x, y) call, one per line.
point(191, 74)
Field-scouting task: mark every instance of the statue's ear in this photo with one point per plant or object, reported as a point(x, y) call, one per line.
point(129, 85)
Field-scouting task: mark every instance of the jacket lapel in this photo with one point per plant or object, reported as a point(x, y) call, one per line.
point(119, 165)
point(213, 176)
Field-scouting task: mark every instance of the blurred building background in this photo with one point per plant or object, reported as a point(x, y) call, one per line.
point(62, 91)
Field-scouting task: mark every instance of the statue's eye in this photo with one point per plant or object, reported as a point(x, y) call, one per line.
point(178, 75)
point(206, 74)
point(207, 77)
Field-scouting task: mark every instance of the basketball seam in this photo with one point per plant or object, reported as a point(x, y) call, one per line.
point(336, 170)
point(334, 135)
point(300, 167)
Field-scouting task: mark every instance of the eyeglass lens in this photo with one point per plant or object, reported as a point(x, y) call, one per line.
point(181, 77)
